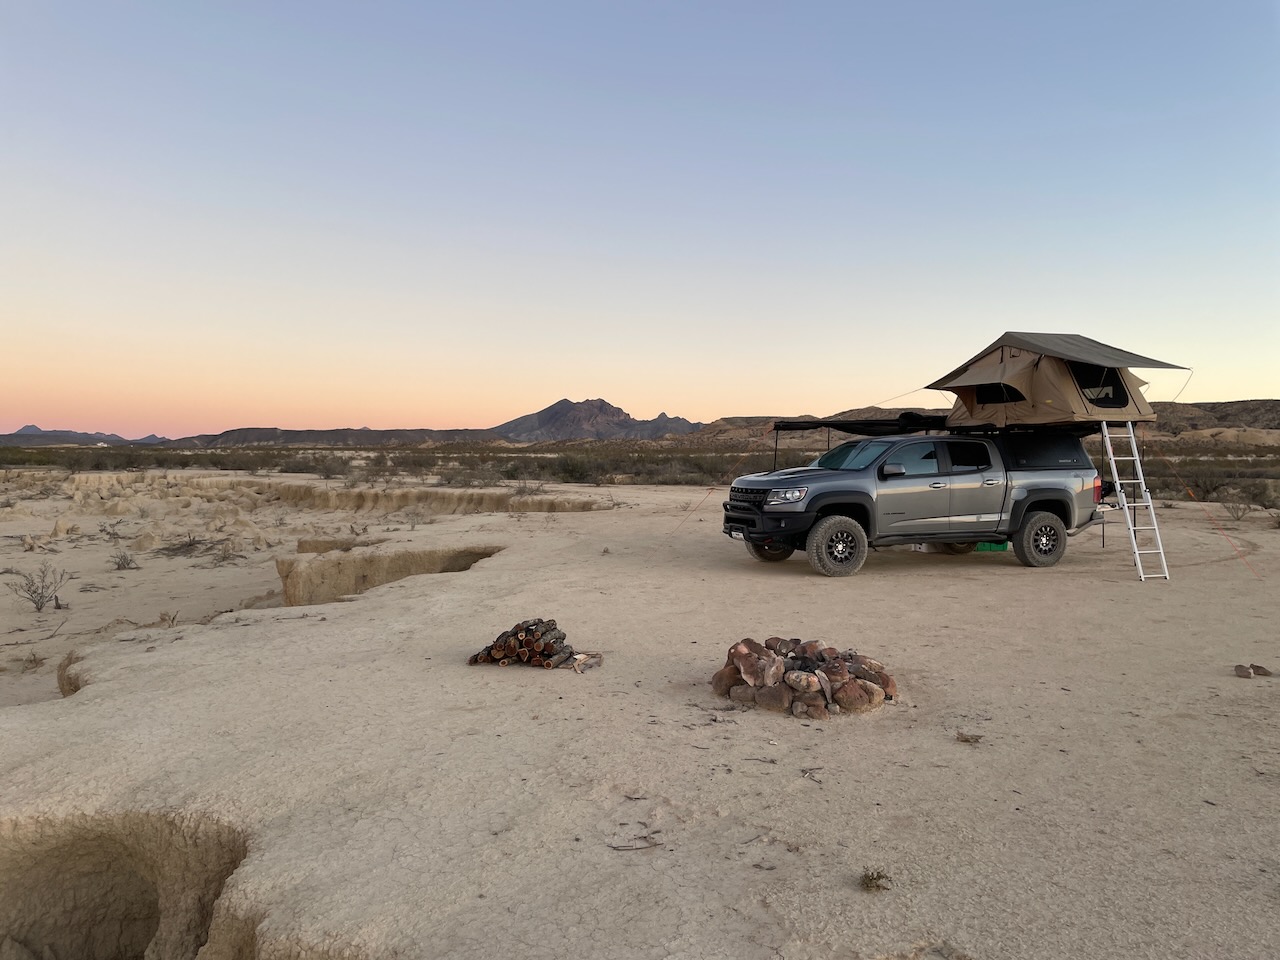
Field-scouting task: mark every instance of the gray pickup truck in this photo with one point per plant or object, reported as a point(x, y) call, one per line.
point(1032, 489)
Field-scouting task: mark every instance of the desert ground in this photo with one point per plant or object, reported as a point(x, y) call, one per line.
point(267, 752)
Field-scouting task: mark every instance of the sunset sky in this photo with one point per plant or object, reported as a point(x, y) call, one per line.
point(321, 214)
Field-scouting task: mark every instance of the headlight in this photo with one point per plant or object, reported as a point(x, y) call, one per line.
point(789, 495)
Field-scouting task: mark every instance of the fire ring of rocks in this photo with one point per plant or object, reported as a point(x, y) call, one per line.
point(804, 678)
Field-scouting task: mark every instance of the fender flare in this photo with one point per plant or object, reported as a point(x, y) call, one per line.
point(1034, 498)
point(823, 504)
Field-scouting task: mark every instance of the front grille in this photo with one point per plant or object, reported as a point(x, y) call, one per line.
point(747, 496)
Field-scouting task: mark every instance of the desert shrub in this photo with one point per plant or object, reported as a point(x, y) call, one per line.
point(1236, 510)
point(187, 547)
point(297, 465)
point(1205, 482)
point(414, 463)
point(330, 467)
point(110, 530)
point(468, 476)
point(224, 554)
point(123, 560)
point(579, 468)
point(40, 587)
point(379, 467)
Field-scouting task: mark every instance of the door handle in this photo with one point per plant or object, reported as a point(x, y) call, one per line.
point(991, 482)
point(937, 485)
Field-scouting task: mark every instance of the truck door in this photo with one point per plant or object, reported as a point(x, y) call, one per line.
point(978, 486)
point(917, 499)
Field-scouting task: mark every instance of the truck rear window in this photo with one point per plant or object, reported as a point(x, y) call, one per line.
point(1033, 451)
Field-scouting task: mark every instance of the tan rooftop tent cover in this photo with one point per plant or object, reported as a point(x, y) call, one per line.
point(1047, 378)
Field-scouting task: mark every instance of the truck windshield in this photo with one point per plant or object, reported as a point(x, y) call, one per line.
point(854, 455)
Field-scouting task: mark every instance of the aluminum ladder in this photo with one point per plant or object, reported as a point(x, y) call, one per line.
point(1136, 505)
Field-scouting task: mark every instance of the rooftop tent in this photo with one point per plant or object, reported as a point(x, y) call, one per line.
point(1048, 378)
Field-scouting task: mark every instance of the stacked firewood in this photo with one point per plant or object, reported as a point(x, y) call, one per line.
point(803, 678)
point(535, 643)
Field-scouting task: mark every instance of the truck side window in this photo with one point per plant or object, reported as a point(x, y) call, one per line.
point(920, 459)
point(968, 456)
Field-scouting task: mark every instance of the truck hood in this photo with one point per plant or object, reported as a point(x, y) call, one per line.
point(792, 476)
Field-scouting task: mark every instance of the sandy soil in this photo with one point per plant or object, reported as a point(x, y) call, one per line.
point(334, 781)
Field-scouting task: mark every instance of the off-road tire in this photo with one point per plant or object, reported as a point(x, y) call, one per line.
point(837, 546)
point(958, 548)
point(1041, 540)
point(770, 552)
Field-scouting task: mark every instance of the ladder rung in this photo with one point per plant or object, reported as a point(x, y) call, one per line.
point(1149, 551)
point(1152, 527)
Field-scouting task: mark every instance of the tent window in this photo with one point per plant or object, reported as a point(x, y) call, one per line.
point(1101, 386)
point(998, 393)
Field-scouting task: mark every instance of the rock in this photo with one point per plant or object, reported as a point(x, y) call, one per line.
point(798, 709)
point(836, 671)
point(758, 669)
point(830, 653)
point(874, 690)
point(145, 541)
point(748, 664)
point(777, 697)
point(1243, 671)
point(62, 527)
point(1259, 671)
point(742, 694)
point(809, 650)
point(862, 661)
point(802, 681)
point(772, 669)
point(888, 684)
point(825, 684)
point(787, 647)
point(833, 708)
point(864, 672)
point(725, 679)
point(759, 649)
point(851, 697)
point(817, 711)
point(772, 643)
point(811, 699)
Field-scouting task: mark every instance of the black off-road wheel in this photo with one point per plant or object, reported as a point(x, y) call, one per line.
point(958, 548)
point(837, 546)
point(1041, 540)
point(770, 552)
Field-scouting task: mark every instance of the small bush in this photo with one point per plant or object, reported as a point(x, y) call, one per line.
point(40, 587)
point(123, 560)
point(1236, 511)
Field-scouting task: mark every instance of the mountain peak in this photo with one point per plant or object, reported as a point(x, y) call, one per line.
point(594, 419)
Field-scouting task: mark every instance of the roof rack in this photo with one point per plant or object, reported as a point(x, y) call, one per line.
point(924, 423)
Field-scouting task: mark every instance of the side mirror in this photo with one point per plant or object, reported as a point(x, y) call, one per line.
point(894, 470)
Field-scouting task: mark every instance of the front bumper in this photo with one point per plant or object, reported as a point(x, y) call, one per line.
point(764, 526)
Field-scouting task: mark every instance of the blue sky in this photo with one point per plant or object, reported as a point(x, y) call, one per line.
point(323, 214)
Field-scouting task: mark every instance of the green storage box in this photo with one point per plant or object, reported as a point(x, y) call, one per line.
point(992, 547)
